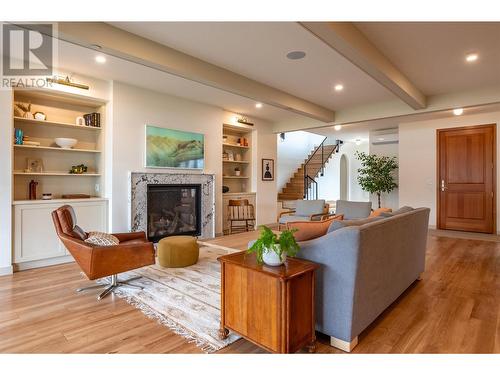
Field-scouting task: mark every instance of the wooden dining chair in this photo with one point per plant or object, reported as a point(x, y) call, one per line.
point(241, 216)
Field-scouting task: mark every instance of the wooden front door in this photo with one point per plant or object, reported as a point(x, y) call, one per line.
point(466, 178)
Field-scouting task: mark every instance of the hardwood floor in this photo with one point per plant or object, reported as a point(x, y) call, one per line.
point(455, 309)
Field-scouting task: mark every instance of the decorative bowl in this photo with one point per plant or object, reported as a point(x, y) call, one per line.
point(65, 142)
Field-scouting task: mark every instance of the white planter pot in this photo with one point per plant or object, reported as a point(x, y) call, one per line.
point(271, 258)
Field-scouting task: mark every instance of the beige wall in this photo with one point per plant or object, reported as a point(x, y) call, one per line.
point(417, 159)
point(134, 107)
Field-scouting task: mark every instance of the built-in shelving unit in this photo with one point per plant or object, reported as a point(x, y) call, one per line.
point(62, 110)
point(236, 153)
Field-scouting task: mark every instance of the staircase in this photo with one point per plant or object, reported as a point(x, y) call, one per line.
point(301, 187)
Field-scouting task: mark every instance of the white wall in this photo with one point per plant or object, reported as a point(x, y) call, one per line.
point(292, 152)
point(329, 184)
point(390, 200)
point(134, 107)
point(6, 136)
point(417, 159)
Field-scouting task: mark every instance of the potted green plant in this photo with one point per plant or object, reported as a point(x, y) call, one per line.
point(273, 250)
point(376, 174)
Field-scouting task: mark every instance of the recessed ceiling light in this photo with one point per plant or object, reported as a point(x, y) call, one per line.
point(258, 105)
point(296, 55)
point(458, 111)
point(337, 127)
point(100, 59)
point(338, 87)
point(471, 57)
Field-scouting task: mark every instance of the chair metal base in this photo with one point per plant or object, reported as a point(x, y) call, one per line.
point(113, 284)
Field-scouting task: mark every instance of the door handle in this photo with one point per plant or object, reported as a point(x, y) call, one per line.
point(443, 186)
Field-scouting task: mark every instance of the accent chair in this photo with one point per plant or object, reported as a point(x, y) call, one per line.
point(353, 210)
point(305, 210)
point(133, 251)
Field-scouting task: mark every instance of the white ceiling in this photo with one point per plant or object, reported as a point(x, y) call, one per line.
point(258, 51)
point(432, 55)
point(362, 129)
point(80, 60)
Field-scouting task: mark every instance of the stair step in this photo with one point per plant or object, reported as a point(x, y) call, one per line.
point(284, 196)
point(292, 189)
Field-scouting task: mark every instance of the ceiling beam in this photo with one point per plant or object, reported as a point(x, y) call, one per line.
point(351, 43)
point(123, 44)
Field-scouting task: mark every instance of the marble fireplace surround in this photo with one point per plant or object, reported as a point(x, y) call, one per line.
point(139, 182)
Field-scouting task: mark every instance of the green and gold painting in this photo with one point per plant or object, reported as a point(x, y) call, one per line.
point(168, 148)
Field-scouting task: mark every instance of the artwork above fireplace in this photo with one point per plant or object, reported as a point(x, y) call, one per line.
point(173, 209)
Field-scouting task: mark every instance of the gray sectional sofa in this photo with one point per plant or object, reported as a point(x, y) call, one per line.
point(364, 269)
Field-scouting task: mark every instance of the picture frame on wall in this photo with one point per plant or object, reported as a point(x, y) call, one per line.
point(169, 148)
point(267, 169)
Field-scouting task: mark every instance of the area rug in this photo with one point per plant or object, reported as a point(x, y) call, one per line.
point(186, 300)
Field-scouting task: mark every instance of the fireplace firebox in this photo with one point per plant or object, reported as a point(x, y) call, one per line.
point(173, 210)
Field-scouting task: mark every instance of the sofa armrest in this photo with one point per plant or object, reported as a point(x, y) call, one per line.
point(337, 252)
point(285, 213)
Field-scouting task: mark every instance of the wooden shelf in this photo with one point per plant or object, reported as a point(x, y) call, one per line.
point(60, 96)
point(235, 145)
point(236, 161)
point(231, 193)
point(19, 173)
point(58, 200)
point(236, 177)
point(54, 123)
point(55, 148)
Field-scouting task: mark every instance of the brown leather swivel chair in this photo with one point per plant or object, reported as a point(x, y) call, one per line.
point(133, 251)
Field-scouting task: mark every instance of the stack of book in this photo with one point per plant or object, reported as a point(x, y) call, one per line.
point(93, 119)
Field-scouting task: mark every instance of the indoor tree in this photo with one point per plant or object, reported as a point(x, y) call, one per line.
point(376, 173)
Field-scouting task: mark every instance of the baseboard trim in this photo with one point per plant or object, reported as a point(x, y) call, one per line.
point(42, 263)
point(7, 270)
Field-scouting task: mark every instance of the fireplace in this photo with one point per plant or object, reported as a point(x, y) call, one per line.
point(173, 209)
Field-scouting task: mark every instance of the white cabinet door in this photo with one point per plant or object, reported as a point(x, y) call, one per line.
point(34, 233)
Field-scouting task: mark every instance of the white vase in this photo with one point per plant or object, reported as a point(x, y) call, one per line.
point(271, 257)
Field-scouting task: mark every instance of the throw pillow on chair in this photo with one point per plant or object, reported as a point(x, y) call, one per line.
point(379, 211)
point(101, 239)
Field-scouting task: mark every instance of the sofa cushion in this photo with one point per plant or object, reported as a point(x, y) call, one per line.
point(349, 223)
point(101, 239)
point(353, 210)
point(307, 230)
point(399, 211)
point(287, 218)
point(379, 211)
point(309, 207)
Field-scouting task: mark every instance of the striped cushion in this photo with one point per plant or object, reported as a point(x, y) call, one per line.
point(101, 239)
